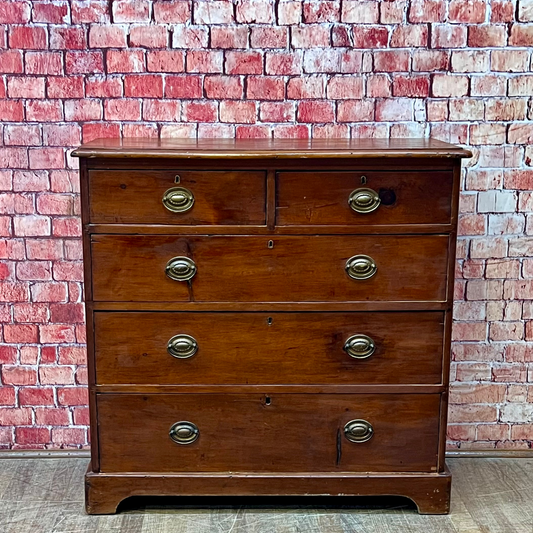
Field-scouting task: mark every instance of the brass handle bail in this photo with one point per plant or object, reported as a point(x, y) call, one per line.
point(180, 268)
point(182, 346)
point(359, 346)
point(364, 200)
point(178, 199)
point(184, 432)
point(358, 431)
point(361, 267)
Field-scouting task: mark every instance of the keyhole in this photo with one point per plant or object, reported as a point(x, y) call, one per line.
point(363, 180)
point(122, 186)
point(177, 178)
point(270, 244)
point(268, 401)
point(269, 320)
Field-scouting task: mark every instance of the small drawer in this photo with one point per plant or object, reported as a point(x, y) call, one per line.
point(186, 197)
point(268, 348)
point(261, 269)
point(364, 197)
point(268, 433)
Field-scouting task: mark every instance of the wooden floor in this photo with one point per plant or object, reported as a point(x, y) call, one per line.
point(46, 496)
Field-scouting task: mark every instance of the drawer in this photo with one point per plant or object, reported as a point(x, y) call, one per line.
point(377, 197)
point(268, 348)
point(177, 197)
point(276, 433)
point(258, 269)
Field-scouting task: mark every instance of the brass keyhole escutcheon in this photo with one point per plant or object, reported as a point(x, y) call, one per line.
point(358, 431)
point(182, 346)
point(184, 432)
point(359, 346)
point(180, 269)
point(178, 199)
point(364, 200)
point(361, 267)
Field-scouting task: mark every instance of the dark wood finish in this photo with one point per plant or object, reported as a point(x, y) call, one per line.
point(276, 433)
point(245, 269)
point(430, 492)
point(268, 148)
point(135, 196)
point(293, 193)
point(273, 348)
point(321, 198)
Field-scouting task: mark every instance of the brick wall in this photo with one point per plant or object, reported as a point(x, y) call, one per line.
point(457, 70)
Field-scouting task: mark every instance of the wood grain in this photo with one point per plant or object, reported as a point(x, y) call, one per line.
point(276, 433)
point(239, 269)
point(268, 348)
point(321, 198)
point(135, 196)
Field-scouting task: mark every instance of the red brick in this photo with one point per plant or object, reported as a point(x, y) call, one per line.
point(316, 36)
point(265, 88)
point(20, 375)
point(49, 63)
point(149, 36)
point(166, 61)
point(69, 436)
point(467, 11)
point(22, 135)
point(244, 63)
point(11, 111)
point(391, 61)
point(15, 12)
point(105, 88)
point(183, 87)
point(341, 35)
point(19, 416)
point(51, 13)
point(229, 37)
point(61, 134)
point(56, 333)
point(214, 12)
point(81, 416)
point(521, 35)
point(269, 37)
point(254, 11)
point(238, 112)
point(11, 62)
point(33, 435)
point(36, 396)
point(253, 132)
point(206, 62)
point(315, 112)
point(33, 225)
point(345, 88)
point(306, 87)
point(502, 11)
point(355, 111)
point(83, 110)
point(72, 355)
point(200, 111)
point(97, 130)
point(162, 110)
point(448, 36)
point(44, 111)
point(107, 37)
point(409, 36)
point(321, 11)
point(7, 396)
point(223, 87)
point(147, 85)
point(370, 37)
point(290, 131)
point(27, 37)
point(427, 11)
point(46, 158)
point(64, 87)
point(360, 12)
point(414, 86)
point(56, 375)
point(72, 396)
point(49, 292)
point(44, 249)
point(127, 11)
point(84, 63)
point(190, 37)
point(34, 271)
point(125, 61)
point(487, 36)
point(48, 354)
point(277, 112)
point(52, 416)
point(283, 63)
point(461, 432)
point(168, 12)
point(68, 38)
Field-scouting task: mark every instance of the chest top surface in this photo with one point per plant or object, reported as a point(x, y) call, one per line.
point(269, 148)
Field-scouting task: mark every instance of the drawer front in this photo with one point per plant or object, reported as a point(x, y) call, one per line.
point(260, 348)
point(177, 197)
point(258, 269)
point(361, 197)
point(277, 433)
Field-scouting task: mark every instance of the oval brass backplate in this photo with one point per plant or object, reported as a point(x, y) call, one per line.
point(359, 346)
point(358, 431)
point(182, 346)
point(180, 268)
point(364, 200)
point(184, 432)
point(178, 199)
point(361, 267)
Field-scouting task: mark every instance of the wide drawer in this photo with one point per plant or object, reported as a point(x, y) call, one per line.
point(364, 197)
point(268, 348)
point(258, 269)
point(274, 433)
point(177, 197)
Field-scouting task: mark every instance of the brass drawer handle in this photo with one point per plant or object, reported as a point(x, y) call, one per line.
point(180, 268)
point(182, 346)
point(184, 432)
point(358, 431)
point(359, 346)
point(178, 199)
point(364, 200)
point(361, 267)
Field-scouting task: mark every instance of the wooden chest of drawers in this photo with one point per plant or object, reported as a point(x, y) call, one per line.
point(269, 317)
